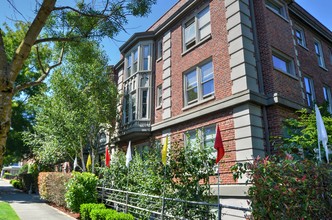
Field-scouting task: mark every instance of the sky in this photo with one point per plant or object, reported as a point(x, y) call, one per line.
point(320, 9)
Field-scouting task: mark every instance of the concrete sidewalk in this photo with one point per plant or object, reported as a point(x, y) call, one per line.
point(29, 207)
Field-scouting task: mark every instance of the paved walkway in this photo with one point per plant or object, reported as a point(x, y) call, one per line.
point(29, 207)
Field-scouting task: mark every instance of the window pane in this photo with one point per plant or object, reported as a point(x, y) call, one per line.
point(159, 95)
point(280, 64)
point(207, 72)
point(317, 49)
point(191, 80)
point(208, 88)
point(160, 49)
point(133, 106)
point(192, 141)
point(146, 54)
point(209, 136)
point(203, 17)
point(192, 94)
point(144, 103)
point(190, 31)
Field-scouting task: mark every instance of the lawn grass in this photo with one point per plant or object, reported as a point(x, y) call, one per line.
point(6, 212)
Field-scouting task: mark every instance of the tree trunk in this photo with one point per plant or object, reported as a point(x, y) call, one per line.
point(10, 71)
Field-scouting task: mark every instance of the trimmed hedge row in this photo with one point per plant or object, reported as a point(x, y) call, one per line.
point(52, 187)
point(92, 211)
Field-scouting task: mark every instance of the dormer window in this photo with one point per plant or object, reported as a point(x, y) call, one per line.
point(138, 59)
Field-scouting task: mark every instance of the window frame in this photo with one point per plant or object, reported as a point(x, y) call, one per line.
point(302, 41)
point(319, 53)
point(132, 64)
point(193, 22)
point(328, 97)
point(277, 7)
point(289, 63)
point(198, 84)
point(159, 49)
point(202, 141)
point(309, 92)
point(159, 96)
point(330, 50)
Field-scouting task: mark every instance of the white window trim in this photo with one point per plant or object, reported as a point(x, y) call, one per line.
point(159, 49)
point(312, 90)
point(288, 60)
point(319, 56)
point(197, 37)
point(282, 6)
point(200, 96)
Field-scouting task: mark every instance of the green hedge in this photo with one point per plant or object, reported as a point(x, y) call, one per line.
point(52, 187)
point(86, 208)
point(8, 176)
point(101, 214)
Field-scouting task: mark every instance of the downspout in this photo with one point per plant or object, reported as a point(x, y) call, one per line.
point(260, 76)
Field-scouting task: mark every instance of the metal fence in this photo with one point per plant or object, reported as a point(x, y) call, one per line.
point(143, 206)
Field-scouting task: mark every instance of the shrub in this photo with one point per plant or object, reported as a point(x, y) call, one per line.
point(85, 209)
point(119, 216)
point(100, 214)
point(52, 187)
point(16, 183)
point(81, 189)
point(8, 176)
point(288, 188)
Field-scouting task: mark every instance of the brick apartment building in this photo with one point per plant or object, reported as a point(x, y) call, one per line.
point(244, 65)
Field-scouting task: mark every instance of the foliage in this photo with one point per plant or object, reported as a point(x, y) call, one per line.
point(8, 176)
point(52, 187)
point(86, 208)
point(300, 136)
point(29, 182)
point(119, 216)
point(185, 176)
point(24, 169)
point(81, 99)
point(100, 214)
point(285, 188)
point(16, 183)
point(81, 188)
point(7, 212)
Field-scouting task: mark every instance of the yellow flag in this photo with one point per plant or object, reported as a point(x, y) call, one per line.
point(164, 152)
point(88, 162)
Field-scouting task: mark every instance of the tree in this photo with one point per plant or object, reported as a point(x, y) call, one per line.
point(56, 26)
point(81, 98)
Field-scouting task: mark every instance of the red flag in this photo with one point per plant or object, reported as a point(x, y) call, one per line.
point(219, 146)
point(107, 157)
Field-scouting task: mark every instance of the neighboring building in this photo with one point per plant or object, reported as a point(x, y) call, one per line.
point(244, 65)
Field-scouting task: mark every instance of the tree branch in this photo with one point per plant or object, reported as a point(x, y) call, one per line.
point(43, 76)
point(58, 39)
point(80, 12)
point(3, 54)
point(23, 51)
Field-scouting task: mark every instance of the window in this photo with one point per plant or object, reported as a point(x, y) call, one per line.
point(328, 97)
point(309, 89)
point(197, 28)
point(283, 63)
point(299, 34)
point(138, 59)
point(159, 49)
point(144, 103)
point(159, 95)
point(277, 7)
point(202, 137)
point(133, 106)
point(319, 53)
point(330, 49)
point(199, 83)
point(146, 57)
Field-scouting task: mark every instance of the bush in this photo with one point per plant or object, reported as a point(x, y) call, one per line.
point(52, 187)
point(119, 216)
point(8, 176)
point(16, 183)
point(101, 214)
point(81, 189)
point(85, 209)
point(288, 188)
